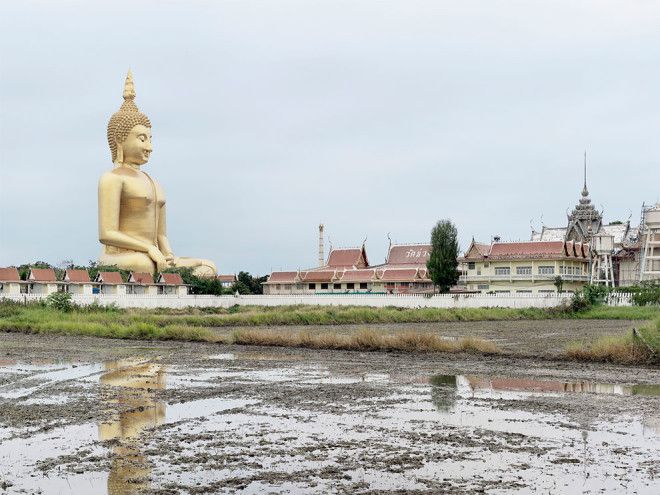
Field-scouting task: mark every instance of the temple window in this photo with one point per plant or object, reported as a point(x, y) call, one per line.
point(523, 270)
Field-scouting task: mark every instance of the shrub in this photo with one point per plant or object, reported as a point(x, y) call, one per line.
point(60, 301)
point(648, 293)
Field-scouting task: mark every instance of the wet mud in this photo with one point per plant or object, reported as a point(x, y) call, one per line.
point(85, 415)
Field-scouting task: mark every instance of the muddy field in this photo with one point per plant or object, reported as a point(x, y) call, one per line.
point(85, 415)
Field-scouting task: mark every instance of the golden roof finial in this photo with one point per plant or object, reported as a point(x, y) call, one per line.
point(129, 87)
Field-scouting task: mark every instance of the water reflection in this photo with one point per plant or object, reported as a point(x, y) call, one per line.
point(137, 409)
point(471, 383)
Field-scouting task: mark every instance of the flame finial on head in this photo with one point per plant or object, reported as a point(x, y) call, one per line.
point(129, 87)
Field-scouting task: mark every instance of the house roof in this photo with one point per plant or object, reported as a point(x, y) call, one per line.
point(409, 254)
point(76, 276)
point(227, 278)
point(111, 278)
point(357, 275)
point(170, 279)
point(348, 257)
point(42, 275)
point(399, 275)
point(319, 276)
point(141, 278)
point(282, 277)
point(9, 275)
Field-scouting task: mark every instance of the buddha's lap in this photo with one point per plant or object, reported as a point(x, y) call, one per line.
point(135, 261)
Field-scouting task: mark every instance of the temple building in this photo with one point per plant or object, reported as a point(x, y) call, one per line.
point(347, 270)
point(525, 267)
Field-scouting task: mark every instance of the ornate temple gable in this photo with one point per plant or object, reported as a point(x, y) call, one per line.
point(348, 257)
point(477, 251)
point(584, 220)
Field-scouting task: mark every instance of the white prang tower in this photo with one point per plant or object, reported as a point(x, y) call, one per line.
point(649, 230)
point(321, 257)
point(601, 266)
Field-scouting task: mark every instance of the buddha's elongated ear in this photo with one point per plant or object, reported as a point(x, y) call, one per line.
point(119, 159)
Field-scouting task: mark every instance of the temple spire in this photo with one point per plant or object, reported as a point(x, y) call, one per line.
point(585, 191)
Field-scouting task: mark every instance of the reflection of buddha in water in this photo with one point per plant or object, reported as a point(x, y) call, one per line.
point(138, 409)
point(132, 221)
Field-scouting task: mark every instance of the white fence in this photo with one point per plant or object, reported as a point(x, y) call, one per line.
point(374, 300)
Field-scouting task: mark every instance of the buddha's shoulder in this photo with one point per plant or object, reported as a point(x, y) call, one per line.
point(117, 174)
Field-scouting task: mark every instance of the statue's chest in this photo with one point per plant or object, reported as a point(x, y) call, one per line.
point(142, 192)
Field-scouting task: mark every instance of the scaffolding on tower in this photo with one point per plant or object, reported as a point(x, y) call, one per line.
point(601, 266)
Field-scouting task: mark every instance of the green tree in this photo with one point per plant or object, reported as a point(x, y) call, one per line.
point(198, 285)
point(443, 262)
point(24, 270)
point(247, 284)
point(559, 283)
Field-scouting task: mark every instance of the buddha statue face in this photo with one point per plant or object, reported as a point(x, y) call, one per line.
point(136, 148)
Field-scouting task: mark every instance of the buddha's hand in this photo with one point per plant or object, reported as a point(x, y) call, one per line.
point(158, 258)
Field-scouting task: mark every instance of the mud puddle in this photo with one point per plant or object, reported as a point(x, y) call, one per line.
point(203, 421)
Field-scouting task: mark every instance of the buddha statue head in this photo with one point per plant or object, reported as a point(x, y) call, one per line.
point(129, 130)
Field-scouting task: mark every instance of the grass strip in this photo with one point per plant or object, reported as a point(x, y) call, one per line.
point(315, 315)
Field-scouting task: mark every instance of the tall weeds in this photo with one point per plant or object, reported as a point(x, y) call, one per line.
point(636, 347)
point(366, 340)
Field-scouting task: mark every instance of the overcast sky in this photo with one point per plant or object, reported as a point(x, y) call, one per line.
point(370, 116)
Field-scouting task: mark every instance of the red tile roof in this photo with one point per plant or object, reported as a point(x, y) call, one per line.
point(282, 277)
point(109, 278)
point(227, 278)
point(320, 276)
point(170, 279)
point(42, 275)
point(531, 250)
point(9, 275)
point(79, 276)
point(347, 257)
point(357, 276)
point(141, 278)
point(399, 275)
point(409, 254)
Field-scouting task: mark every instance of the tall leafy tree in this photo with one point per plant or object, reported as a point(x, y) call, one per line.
point(443, 262)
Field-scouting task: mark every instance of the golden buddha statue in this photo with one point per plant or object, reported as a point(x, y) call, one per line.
point(132, 225)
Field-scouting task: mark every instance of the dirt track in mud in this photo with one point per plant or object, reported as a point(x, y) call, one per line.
point(85, 415)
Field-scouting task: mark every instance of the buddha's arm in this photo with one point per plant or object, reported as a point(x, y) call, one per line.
point(109, 207)
point(163, 242)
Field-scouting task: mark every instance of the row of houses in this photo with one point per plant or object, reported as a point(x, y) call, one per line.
point(44, 281)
